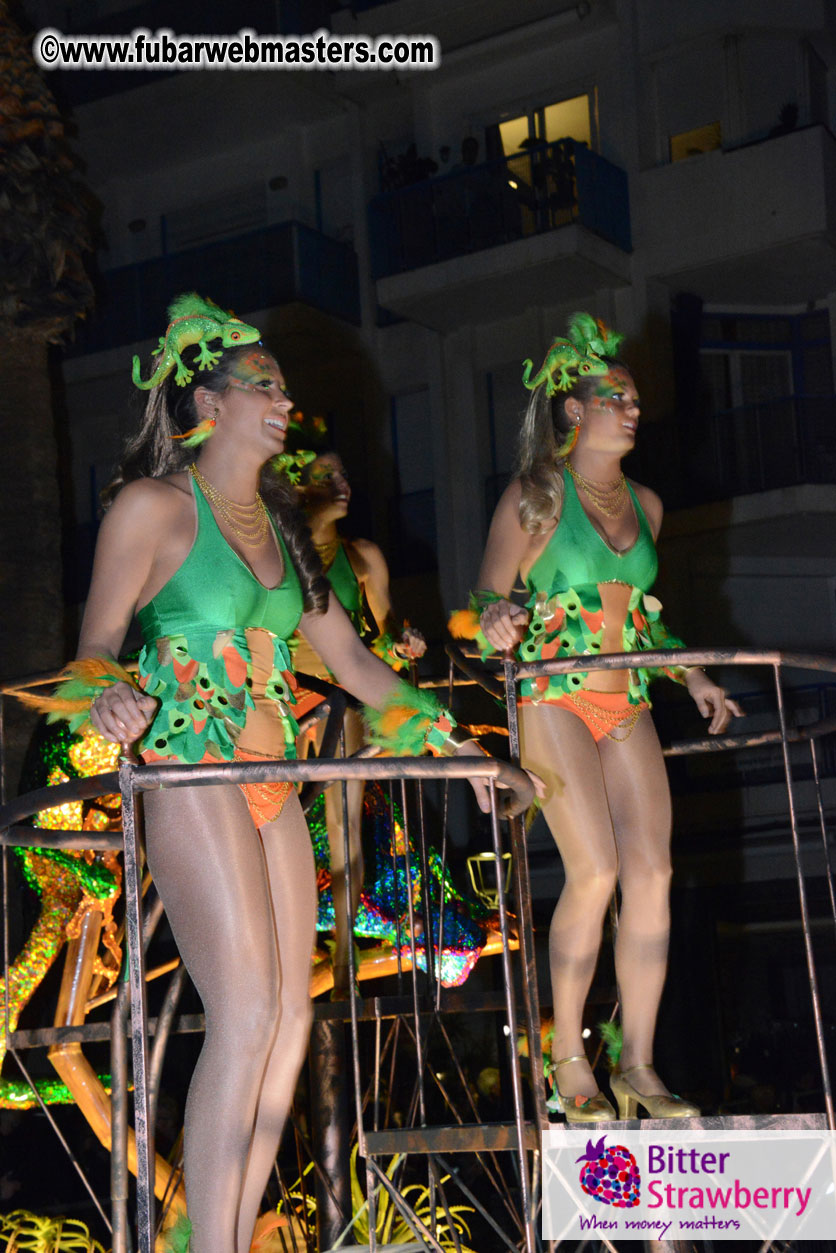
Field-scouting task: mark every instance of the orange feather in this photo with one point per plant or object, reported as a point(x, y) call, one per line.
point(463, 624)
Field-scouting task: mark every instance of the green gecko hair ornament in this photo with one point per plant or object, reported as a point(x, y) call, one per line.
point(579, 355)
point(193, 320)
point(301, 430)
point(291, 464)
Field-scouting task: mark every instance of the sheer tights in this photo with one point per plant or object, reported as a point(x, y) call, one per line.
point(343, 929)
point(608, 808)
point(242, 907)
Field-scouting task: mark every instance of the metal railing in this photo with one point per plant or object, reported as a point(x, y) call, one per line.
point(753, 448)
point(257, 270)
point(480, 206)
point(434, 1142)
point(780, 739)
point(132, 779)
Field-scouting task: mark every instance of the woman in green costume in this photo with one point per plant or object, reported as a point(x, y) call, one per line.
point(219, 587)
point(583, 539)
point(357, 571)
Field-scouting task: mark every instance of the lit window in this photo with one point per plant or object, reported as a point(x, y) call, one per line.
point(694, 143)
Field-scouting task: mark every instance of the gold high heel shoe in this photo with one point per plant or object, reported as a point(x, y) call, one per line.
point(577, 1109)
point(658, 1106)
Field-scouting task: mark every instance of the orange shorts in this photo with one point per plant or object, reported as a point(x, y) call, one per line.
point(603, 713)
point(265, 801)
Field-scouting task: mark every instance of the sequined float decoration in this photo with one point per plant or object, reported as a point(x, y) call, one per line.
point(68, 882)
point(384, 898)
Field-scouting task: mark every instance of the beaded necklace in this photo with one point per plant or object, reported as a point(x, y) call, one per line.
point(610, 498)
point(248, 522)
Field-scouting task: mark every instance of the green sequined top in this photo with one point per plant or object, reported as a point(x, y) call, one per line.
point(197, 658)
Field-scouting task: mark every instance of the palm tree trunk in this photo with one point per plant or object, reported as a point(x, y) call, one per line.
point(31, 600)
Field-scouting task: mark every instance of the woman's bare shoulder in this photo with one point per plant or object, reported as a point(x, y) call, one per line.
point(151, 503)
point(508, 505)
point(165, 493)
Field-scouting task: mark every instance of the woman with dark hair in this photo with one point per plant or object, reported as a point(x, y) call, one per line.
point(358, 574)
point(219, 586)
point(583, 539)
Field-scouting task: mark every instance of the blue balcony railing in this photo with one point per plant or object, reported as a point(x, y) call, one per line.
point(542, 189)
point(754, 448)
point(264, 268)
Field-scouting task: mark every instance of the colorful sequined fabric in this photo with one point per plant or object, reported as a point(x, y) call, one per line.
point(383, 912)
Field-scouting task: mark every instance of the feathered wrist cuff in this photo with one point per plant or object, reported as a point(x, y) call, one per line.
point(79, 684)
point(385, 647)
point(411, 722)
point(464, 624)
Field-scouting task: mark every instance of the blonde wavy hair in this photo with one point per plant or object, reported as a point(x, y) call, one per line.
point(542, 449)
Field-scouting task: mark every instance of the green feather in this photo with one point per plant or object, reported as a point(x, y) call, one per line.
point(587, 336)
point(408, 739)
point(191, 305)
point(613, 1037)
point(176, 1239)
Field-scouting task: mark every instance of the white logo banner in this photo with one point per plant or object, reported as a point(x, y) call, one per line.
point(702, 1184)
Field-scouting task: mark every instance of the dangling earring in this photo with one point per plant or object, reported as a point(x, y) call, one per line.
point(199, 433)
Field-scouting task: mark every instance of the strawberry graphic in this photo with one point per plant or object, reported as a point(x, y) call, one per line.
point(610, 1174)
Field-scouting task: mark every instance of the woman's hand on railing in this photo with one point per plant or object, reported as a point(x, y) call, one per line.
point(122, 713)
point(503, 624)
point(711, 700)
point(481, 786)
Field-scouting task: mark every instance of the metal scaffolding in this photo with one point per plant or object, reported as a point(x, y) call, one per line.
point(416, 1014)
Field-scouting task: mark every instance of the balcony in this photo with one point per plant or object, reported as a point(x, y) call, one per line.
point(258, 270)
point(754, 224)
point(738, 452)
point(505, 234)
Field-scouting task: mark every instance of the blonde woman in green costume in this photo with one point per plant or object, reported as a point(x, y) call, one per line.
point(357, 572)
point(583, 539)
point(219, 587)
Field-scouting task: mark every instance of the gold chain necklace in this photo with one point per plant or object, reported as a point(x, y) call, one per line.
point(611, 498)
point(327, 551)
point(247, 522)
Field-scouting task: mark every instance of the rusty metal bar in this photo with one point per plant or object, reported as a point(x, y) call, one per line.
point(511, 1019)
point(414, 957)
point(46, 1112)
point(133, 931)
point(165, 1022)
point(522, 884)
point(802, 899)
point(825, 835)
point(659, 657)
point(119, 1120)
point(407, 1214)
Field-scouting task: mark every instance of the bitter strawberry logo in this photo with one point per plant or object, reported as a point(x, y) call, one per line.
point(610, 1175)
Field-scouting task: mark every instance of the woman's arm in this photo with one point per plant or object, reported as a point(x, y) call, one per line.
point(354, 667)
point(503, 623)
point(364, 675)
point(709, 697)
point(372, 573)
point(128, 540)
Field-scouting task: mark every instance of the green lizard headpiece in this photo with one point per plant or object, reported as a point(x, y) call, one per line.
point(577, 356)
point(193, 320)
